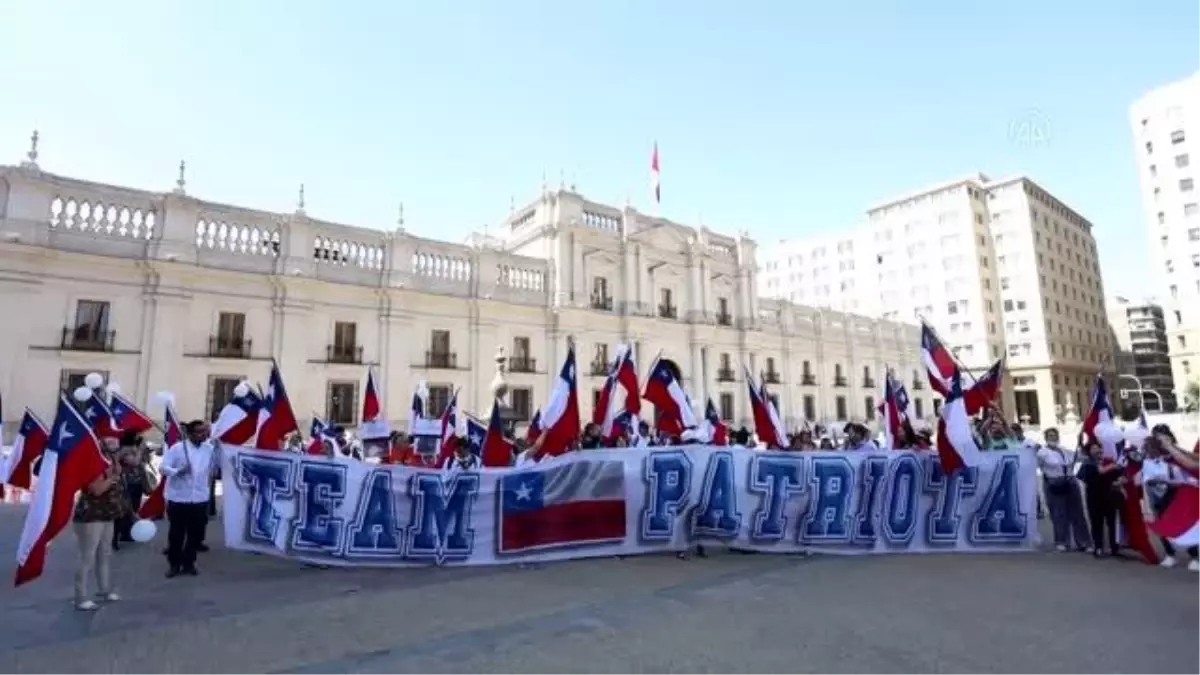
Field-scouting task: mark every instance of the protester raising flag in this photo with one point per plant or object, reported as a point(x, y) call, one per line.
point(940, 366)
point(275, 418)
point(495, 450)
point(673, 412)
point(374, 423)
point(1099, 409)
point(318, 432)
point(535, 428)
point(238, 420)
point(155, 506)
point(715, 430)
point(767, 425)
point(72, 460)
point(956, 445)
point(449, 430)
point(892, 415)
point(560, 415)
point(27, 447)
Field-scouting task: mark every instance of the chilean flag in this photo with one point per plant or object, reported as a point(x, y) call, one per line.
point(893, 414)
point(275, 418)
point(238, 420)
point(621, 372)
point(535, 428)
point(29, 444)
point(654, 174)
point(128, 417)
point(622, 425)
point(101, 417)
point(673, 410)
point(956, 445)
point(495, 450)
point(939, 362)
point(155, 506)
point(449, 427)
point(1180, 523)
point(560, 415)
point(318, 432)
point(626, 375)
point(985, 389)
point(71, 461)
point(371, 407)
point(766, 419)
point(718, 431)
point(1099, 410)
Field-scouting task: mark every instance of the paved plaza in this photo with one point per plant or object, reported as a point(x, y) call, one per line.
point(1037, 612)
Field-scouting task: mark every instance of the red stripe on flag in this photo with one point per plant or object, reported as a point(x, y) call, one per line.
point(572, 522)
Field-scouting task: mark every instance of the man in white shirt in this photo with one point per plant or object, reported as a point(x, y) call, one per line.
point(187, 466)
point(462, 460)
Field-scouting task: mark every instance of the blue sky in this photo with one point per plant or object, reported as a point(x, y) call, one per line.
point(783, 118)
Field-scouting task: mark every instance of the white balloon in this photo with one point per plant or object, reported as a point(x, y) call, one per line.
point(1136, 435)
point(165, 397)
point(143, 531)
point(93, 380)
point(1107, 432)
point(82, 394)
point(113, 388)
point(241, 389)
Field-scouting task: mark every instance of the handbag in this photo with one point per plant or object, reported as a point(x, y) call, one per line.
point(1060, 485)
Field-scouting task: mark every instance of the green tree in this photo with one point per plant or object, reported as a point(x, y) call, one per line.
point(1191, 396)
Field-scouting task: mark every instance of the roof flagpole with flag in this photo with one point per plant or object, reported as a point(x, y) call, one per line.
point(655, 177)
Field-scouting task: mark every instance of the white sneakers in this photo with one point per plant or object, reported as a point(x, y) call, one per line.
point(87, 606)
point(1194, 566)
point(1167, 562)
point(111, 597)
point(1060, 548)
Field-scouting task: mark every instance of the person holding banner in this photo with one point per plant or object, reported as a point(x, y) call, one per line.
point(187, 467)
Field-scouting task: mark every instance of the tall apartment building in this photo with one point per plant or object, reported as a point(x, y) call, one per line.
point(1166, 124)
point(998, 267)
point(1140, 331)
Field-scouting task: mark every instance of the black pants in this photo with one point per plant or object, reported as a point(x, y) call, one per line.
point(1102, 515)
point(124, 525)
point(185, 533)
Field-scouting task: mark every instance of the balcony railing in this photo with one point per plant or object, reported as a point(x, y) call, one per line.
point(868, 382)
point(336, 353)
point(839, 381)
point(446, 360)
point(668, 312)
point(599, 368)
point(229, 348)
point(808, 380)
point(602, 302)
point(522, 364)
point(772, 377)
point(724, 319)
point(86, 339)
point(724, 374)
point(918, 385)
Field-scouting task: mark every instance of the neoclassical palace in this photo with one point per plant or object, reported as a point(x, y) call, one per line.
point(169, 292)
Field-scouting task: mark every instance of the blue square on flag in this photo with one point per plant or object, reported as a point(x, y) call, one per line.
point(574, 504)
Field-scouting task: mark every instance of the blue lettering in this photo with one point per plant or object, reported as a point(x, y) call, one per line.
point(904, 493)
point(264, 479)
point(323, 487)
point(441, 525)
point(1000, 518)
point(717, 514)
point(828, 518)
point(942, 521)
point(375, 532)
point(668, 478)
point(866, 521)
point(776, 478)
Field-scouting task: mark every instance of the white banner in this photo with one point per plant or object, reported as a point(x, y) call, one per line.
point(625, 502)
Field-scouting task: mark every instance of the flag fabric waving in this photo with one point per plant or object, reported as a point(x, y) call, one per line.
point(155, 506)
point(318, 432)
point(72, 460)
point(27, 447)
point(238, 420)
point(985, 389)
point(374, 424)
point(767, 425)
point(892, 415)
point(535, 428)
point(939, 362)
point(716, 430)
point(495, 449)
point(1180, 522)
point(574, 504)
point(955, 440)
point(1099, 409)
point(560, 415)
point(100, 417)
point(654, 175)
point(275, 418)
point(449, 429)
point(128, 417)
point(673, 410)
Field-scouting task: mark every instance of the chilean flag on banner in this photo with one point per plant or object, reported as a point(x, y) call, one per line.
point(956, 445)
point(128, 417)
point(1099, 410)
point(29, 444)
point(673, 410)
point(766, 419)
point(275, 418)
point(238, 420)
point(71, 461)
point(155, 506)
point(560, 415)
point(718, 431)
point(100, 417)
point(495, 450)
point(535, 428)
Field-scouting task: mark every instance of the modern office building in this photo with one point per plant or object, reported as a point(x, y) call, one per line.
point(998, 267)
point(1166, 126)
point(167, 291)
point(1144, 363)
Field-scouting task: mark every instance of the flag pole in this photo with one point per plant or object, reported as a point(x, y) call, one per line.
point(962, 367)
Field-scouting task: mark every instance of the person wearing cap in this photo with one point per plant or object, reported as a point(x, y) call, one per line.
point(858, 438)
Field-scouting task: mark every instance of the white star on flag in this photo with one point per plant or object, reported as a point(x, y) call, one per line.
point(523, 492)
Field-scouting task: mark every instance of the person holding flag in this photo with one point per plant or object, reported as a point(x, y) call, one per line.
point(187, 466)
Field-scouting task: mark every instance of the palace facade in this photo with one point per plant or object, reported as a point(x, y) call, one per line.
point(164, 291)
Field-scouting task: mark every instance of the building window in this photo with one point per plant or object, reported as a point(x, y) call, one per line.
point(521, 400)
point(937, 407)
point(1194, 234)
point(1191, 209)
point(1162, 218)
point(1153, 171)
point(1149, 148)
point(220, 391)
point(231, 334)
point(1186, 184)
point(345, 343)
point(439, 400)
point(726, 406)
point(919, 408)
point(810, 408)
point(1177, 137)
point(91, 326)
point(869, 408)
point(1181, 161)
point(341, 402)
point(839, 405)
point(723, 317)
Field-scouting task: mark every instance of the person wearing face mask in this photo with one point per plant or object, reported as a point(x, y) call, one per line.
point(1058, 465)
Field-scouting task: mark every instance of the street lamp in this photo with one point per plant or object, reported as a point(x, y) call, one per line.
point(1142, 392)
